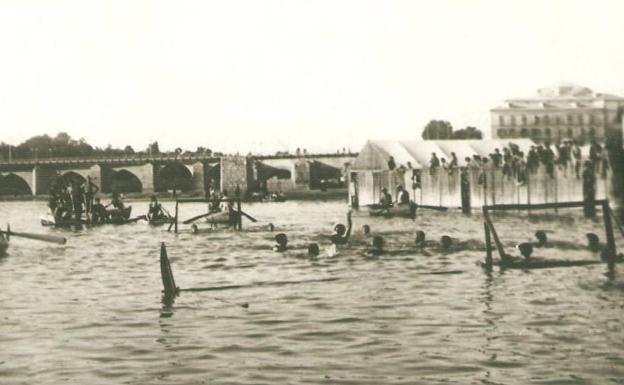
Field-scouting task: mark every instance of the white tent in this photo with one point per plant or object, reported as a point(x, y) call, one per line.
point(376, 153)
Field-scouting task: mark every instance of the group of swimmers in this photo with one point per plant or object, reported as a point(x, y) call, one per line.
point(70, 200)
point(377, 244)
point(446, 244)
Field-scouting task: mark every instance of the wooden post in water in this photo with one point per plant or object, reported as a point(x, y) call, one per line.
point(606, 214)
point(240, 214)
point(176, 217)
point(488, 248)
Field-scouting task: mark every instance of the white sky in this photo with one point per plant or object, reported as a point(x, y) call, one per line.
point(274, 75)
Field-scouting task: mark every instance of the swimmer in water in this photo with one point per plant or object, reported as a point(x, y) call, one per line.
point(366, 230)
point(593, 244)
point(544, 242)
point(448, 244)
point(281, 241)
point(313, 250)
point(341, 233)
point(271, 227)
point(377, 246)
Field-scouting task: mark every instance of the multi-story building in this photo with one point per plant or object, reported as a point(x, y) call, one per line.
point(558, 113)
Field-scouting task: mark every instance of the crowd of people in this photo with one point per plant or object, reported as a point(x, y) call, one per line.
point(566, 156)
point(73, 200)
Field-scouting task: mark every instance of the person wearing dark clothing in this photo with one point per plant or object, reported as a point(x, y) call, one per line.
point(385, 199)
point(402, 196)
point(155, 210)
point(90, 189)
point(98, 212)
point(434, 162)
point(589, 189)
point(391, 163)
point(77, 197)
point(576, 154)
point(454, 163)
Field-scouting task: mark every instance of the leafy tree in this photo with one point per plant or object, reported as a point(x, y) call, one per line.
point(468, 133)
point(438, 129)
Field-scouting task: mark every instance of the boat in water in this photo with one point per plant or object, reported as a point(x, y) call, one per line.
point(116, 216)
point(401, 211)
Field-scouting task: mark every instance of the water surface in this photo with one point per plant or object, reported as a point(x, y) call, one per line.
point(91, 311)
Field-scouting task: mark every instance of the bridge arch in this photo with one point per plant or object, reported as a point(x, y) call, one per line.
point(71, 177)
point(124, 181)
point(12, 184)
point(175, 176)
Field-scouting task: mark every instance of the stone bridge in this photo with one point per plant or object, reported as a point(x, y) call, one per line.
point(181, 173)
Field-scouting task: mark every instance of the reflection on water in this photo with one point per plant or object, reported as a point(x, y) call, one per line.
point(92, 311)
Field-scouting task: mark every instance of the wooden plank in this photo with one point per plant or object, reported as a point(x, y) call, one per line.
point(606, 215)
point(539, 206)
point(497, 242)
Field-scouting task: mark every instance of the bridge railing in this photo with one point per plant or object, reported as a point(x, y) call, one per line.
point(119, 158)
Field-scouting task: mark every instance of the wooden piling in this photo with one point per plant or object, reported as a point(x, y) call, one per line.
point(606, 214)
point(497, 242)
point(488, 247)
point(240, 214)
point(176, 218)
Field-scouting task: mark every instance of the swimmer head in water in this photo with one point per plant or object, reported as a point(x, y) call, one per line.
point(526, 249)
point(282, 242)
point(420, 238)
point(541, 238)
point(366, 229)
point(446, 242)
point(378, 243)
point(340, 229)
point(313, 250)
point(593, 242)
point(194, 229)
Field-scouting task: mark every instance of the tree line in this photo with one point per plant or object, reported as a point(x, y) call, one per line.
point(62, 145)
point(443, 130)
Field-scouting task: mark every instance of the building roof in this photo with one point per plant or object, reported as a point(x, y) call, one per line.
point(565, 95)
point(376, 153)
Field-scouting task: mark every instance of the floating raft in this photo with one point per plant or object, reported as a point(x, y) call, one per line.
point(118, 217)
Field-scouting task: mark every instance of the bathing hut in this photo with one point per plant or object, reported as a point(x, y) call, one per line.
point(387, 164)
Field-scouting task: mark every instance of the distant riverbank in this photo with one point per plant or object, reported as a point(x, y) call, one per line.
point(310, 195)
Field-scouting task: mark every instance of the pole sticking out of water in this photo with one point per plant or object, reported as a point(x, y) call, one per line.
point(169, 285)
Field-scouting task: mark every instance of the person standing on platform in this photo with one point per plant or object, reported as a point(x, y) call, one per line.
point(90, 189)
point(589, 189)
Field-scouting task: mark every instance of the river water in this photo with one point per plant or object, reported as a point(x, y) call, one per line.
point(91, 311)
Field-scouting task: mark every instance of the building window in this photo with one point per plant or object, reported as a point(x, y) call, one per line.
point(547, 132)
point(501, 133)
point(513, 120)
point(570, 133)
point(524, 120)
point(524, 133)
point(512, 133)
point(537, 120)
point(536, 133)
point(501, 120)
point(546, 119)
